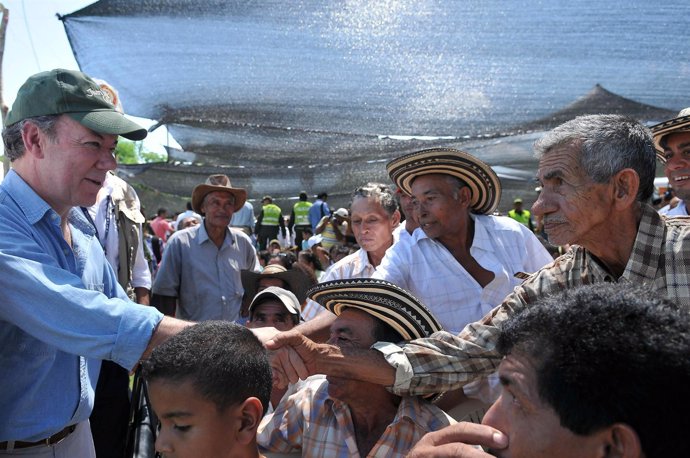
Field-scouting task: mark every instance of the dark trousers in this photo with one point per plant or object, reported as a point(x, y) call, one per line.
point(110, 411)
point(266, 234)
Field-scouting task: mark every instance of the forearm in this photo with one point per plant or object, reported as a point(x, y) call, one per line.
point(359, 364)
point(143, 295)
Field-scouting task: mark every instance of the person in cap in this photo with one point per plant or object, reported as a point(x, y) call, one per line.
point(318, 210)
point(333, 228)
point(299, 218)
point(185, 215)
point(199, 275)
point(269, 222)
point(275, 307)
point(574, 365)
point(521, 215)
point(597, 173)
point(63, 309)
point(341, 417)
point(672, 142)
point(292, 280)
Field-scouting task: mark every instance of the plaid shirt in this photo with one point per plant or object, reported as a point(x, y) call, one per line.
point(321, 426)
point(660, 259)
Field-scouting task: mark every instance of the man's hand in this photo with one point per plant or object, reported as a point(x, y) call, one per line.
point(459, 440)
point(294, 355)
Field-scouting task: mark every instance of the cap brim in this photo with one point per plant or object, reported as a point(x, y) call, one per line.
point(672, 126)
point(110, 122)
point(483, 182)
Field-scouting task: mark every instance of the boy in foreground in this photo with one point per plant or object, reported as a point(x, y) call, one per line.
point(209, 386)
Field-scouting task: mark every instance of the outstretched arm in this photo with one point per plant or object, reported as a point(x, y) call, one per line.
point(461, 439)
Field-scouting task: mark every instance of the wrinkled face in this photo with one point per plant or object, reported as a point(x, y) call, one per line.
point(73, 165)
point(575, 208)
point(372, 225)
point(533, 427)
point(351, 329)
point(271, 313)
point(218, 207)
point(191, 426)
point(677, 168)
point(441, 207)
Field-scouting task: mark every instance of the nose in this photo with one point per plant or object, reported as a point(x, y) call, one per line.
point(162, 443)
point(543, 204)
point(492, 416)
point(107, 161)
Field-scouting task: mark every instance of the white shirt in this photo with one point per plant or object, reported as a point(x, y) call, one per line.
point(429, 271)
point(355, 265)
point(678, 210)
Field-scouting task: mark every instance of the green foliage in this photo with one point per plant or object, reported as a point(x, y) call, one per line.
point(129, 152)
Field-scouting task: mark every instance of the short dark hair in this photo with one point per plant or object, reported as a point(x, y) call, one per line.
point(610, 353)
point(224, 361)
point(322, 195)
point(162, 211)
point(303, 195)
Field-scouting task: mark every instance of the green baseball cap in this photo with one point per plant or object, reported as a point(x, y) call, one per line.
point(72, 93)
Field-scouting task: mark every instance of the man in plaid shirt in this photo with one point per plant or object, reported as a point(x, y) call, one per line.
point(597, 173)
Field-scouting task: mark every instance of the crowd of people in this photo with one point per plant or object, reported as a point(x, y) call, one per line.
point(415, 322)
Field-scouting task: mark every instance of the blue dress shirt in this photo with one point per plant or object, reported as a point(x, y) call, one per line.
point(62, 313)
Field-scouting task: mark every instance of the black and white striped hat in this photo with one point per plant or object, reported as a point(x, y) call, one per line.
point(381, 299)
point(485, 187)
point(681, 123)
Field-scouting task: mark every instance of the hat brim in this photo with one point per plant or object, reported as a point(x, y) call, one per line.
point(484, 184)
point(672, 126)
point(110, 122)
point(283, 298)
point(201, 190)
point(298, 283)
point(381, 299)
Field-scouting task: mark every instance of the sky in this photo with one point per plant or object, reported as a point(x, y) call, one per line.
point(36, 41)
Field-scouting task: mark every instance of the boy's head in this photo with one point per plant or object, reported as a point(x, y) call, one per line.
point(209, 386)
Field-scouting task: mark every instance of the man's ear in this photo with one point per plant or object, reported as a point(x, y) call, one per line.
point(251, 411)
point(626, 184)
point(620, 441)
point(465, 196)
point(396, 217)
point(33, 139)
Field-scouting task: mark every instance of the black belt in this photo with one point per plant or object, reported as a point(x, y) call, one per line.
point(52, 440)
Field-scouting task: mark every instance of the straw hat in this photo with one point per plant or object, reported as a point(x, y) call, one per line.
point(681, 123)
point(483, 182)
point(297, 282)
point(381, 299)
point(217, 183)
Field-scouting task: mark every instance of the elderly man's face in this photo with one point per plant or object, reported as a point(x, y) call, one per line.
point(532, 426)
point(218, 207)
point(575, 208)
point(440, 210)
point(351, 329)
point(677, 168)
point(73, 165)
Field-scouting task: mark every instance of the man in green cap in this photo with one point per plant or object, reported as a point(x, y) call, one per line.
point(63, 309)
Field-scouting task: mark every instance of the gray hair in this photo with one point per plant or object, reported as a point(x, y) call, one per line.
point(607, 144)
point(12, 135)
point(379, 191)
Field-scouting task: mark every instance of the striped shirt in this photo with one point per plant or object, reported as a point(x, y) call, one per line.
point(321, 426)
point(660, 259)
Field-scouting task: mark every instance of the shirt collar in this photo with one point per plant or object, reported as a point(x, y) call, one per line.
point(30, 203)
point(647, 247)
point(361, 263)
point(203, 235)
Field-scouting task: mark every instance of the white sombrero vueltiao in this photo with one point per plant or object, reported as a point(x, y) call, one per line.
point(680, 123)
point(483, 182)
point(381, 299)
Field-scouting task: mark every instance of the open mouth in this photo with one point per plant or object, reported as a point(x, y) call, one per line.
point(680, 178)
